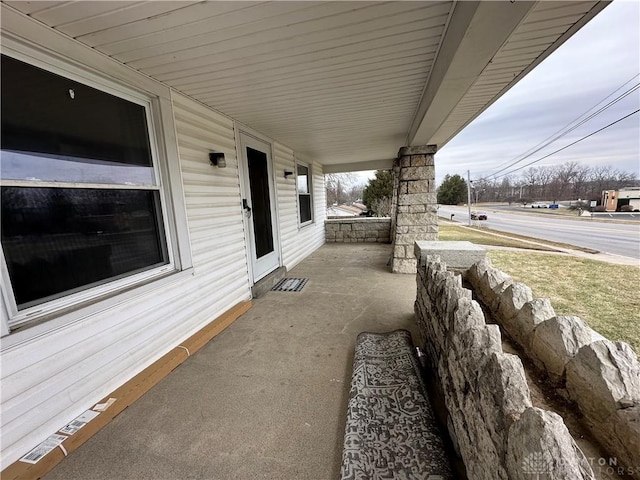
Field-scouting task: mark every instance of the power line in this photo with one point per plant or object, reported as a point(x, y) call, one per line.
point(556, 137)
point(553, 136)
point(567, 146)
point(560, 133)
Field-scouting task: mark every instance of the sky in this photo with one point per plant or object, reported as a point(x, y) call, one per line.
point(588, 67)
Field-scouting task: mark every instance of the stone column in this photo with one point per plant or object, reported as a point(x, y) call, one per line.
point(416, 216)
point(395, 174)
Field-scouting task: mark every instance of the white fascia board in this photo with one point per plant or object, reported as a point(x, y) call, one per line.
point(475, 33)
point(442, 136)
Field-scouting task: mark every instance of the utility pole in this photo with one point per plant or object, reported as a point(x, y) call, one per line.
point(469, 195)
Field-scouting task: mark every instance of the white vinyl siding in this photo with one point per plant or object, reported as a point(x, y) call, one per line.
point(54, 371)
point(297, 242)
point(48, 380)
point(213, 200)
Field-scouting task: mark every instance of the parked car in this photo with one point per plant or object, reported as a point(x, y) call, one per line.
point(539, 205)
point(554, 205)
point(478, 216)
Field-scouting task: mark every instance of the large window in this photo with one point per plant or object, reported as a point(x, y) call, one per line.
point(304, 194)
point(81, 197)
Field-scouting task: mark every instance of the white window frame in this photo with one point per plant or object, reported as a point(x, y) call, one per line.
point(162, 136)
point(310, 188)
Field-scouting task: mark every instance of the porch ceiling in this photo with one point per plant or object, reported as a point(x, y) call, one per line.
point(344, 83)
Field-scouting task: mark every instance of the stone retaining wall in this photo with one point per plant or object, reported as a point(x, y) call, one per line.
point(495, 428)
point(602, 377)
point(358, 229)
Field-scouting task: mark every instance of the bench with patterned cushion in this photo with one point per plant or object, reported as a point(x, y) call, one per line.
point(391, 430)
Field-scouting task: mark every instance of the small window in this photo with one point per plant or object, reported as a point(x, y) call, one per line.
point(81, 195)
point(304, 194)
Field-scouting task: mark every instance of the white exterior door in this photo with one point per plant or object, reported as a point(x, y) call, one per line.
point(259, 205)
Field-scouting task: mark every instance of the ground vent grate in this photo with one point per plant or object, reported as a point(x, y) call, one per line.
point(290, 285)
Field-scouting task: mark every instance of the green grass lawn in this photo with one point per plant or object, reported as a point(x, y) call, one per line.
point(484, 236)
point(454, 232)
point(605, 296)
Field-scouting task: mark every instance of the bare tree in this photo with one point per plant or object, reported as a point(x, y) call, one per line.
point(545, 177)
point(580, 180)
point(355, 193)
point(603, 177)
point(625, 179)
point(562, 179)
point(506, 192)
point(482, 189)
point(568, 181)
point(531, 180)
point(342, 188)
point(608, 178)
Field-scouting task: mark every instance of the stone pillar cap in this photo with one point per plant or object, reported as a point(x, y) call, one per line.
point(418, 150)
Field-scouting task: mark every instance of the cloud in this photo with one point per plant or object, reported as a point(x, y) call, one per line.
point(592, 64)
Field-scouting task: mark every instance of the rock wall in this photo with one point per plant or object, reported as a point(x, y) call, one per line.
point(600, 376)
point(358, 229)
point(496, 430)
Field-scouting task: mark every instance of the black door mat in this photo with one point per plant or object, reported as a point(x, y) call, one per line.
point(290, 285)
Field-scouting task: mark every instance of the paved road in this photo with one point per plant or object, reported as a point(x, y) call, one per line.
point(608, 237)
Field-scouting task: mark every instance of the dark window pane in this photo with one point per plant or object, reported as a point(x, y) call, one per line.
point(58, 240)
point(305, 208)
point(260, 201)
point(57, 129)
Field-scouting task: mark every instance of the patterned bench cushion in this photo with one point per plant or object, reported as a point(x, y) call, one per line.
point(391, 430)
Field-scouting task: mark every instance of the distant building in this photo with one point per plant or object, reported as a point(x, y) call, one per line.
point(614, 200)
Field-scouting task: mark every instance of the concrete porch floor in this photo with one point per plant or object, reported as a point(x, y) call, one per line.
point(267, 397)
